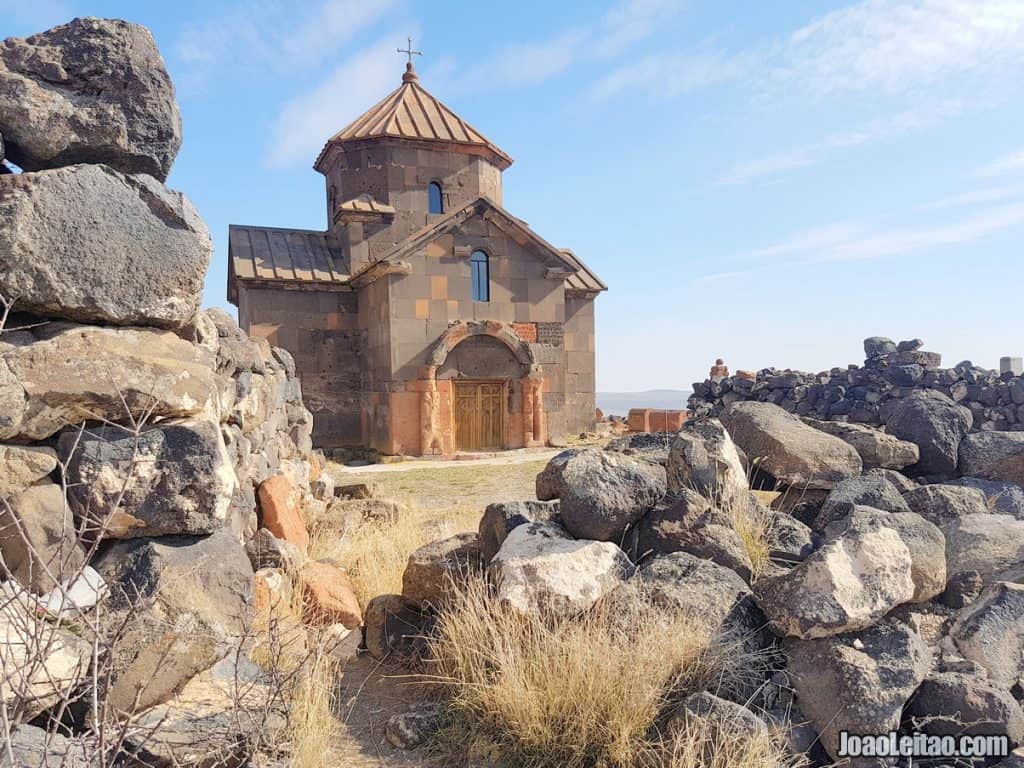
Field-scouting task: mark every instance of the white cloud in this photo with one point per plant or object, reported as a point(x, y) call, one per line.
point(670, 74)
point(631, 22)
point(881, 129)
point(274, 34)
point(309, 119)
point(1012, 163)
point(974, 197)
point(851, 241)
point(898, 46)
point(528, 63)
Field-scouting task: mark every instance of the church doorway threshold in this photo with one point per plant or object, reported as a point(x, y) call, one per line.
point(480, 415)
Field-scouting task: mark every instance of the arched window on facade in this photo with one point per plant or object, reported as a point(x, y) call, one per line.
point(435, 202)
point(480, 270)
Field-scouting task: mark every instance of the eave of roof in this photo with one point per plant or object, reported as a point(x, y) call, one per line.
point(278, 255)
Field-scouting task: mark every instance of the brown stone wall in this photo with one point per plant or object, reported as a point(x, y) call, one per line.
point(580, 383)
point(322, 331)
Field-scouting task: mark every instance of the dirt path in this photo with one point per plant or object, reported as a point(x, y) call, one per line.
point(486, 460)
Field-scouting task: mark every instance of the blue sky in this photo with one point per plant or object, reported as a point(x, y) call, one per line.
point(766, 182)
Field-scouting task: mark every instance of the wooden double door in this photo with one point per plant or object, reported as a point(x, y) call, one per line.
point(480, 415)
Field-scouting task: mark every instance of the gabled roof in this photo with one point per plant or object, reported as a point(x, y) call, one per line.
point(578, 276)
point(273, 254)
point(410, 112)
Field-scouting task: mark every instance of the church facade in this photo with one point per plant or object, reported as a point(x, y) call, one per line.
point(426, 319)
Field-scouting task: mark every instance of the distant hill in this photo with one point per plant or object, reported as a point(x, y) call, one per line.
point(619, 403)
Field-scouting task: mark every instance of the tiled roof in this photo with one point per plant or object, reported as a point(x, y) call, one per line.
point(410, 112)
point(271, 253)
point(582, 279)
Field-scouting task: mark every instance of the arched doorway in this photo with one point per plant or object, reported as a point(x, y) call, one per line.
point(483, 391)
point(486, 391)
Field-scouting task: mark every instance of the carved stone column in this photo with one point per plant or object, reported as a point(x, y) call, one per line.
point(430, 413)
point(528, 397)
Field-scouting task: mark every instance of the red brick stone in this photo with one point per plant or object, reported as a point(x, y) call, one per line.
point(280, 512)
point(328, 596)
point(526, 331)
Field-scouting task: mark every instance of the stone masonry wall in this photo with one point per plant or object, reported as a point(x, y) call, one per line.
point(865, 393)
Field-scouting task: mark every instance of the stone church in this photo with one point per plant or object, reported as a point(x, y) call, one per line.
point(426, 319)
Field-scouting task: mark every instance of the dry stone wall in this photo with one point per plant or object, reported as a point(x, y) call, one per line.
point(868, 393)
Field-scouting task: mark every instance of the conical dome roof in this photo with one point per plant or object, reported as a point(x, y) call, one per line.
point(411, 112)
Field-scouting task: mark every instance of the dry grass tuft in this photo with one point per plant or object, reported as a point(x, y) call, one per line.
point(312, 725)
point(375, 553)
point(705, 743)
point(571, 693)
point(753, 528)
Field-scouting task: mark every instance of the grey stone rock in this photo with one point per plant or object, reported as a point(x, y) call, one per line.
point(954, 703)
point(877, 449)
point(22, 466)
point(990, 632)
point(705, 459)
point(857, 682)
point(1003, 498)
point(91, 91)
point(113, 271)
point(924, 540)
point(936, 425)
point(605, 493)
point(991, 545)
point(993, 456)
point(650, 446)
point(1015, 760)
point(903, 483)
point(32, 746)
point(540, 570)
point(789, 540)
point(848, 584)
point(396, 627)
point(236, 352)
point(39, 541)
point(876, 346)
point(188, 603)
point(867, 491)
point(435, 569)
point(709, 535)
point(500, 518)
point(962, 589)
point(172, 478)
point(414, 728)
point(77, 373)
point(265, 550)
point(909, 345)
point(942, 504)
point(549, 484)
point(780, 444)
point(724, 716)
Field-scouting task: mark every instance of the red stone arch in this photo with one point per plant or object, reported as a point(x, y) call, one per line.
point(432, 431)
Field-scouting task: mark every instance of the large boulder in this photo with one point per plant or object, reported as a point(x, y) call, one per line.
point(704, 459)
point(990, 632)
point(924, 540)
point(34, 746)
point(935, 424)
point(22, 466)
point(541, 570)
point(186, 601)
point(993, 456)
point(857, 682)
point(328, 596)
point(115, 270)
point(700, 589)
point(435, 569)
point(171, 478)
point(991, 545)
point(502, 517)
point(942, 504)
point(953, 703)
point(38, 539)
point(396, 626)
point(550, 483)
point(709, 534)
point(867, 491)
point(604, 493)
point(90, 91)
point(780, 444)
point(877, 449)
point(76, 373)
point(848, 584)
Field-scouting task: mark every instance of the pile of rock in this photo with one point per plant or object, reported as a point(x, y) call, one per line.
point(146, 444)
point(868, 393)
point(888, 604)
